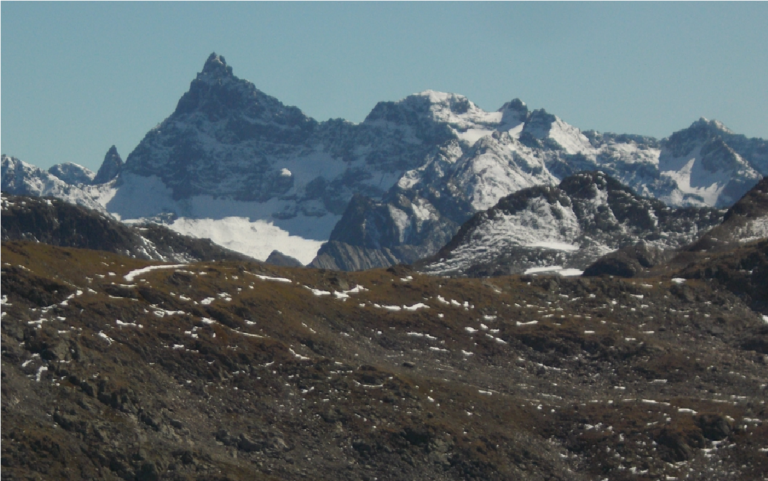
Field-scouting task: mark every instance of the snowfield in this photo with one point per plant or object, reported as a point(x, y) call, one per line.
point(256, 239)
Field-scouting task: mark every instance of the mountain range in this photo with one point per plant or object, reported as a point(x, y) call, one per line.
point(234, 162)
point(580, 306)
point(566, 228)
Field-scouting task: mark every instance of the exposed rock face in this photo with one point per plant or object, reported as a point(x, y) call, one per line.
point(746, 221)
point(277, 258)
point(630, 261)
point(569, 226)
point(427, 163)
point(55, 222)
point(345, 257)
point(110, 168)
point(219, 139)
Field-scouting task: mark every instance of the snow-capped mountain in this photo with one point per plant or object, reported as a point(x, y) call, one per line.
point(234, 162)
point(693, 167)
point(565, 228)
point(705, 167)
point(21, 178)
point(72, 173)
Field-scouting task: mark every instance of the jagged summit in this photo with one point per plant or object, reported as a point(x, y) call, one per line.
point(548, 228)
point(514, 104)
point(72, 173)
point(712, 125)
point(427, 162)
point(216, 65)
point(110, 168)
point(539, 123)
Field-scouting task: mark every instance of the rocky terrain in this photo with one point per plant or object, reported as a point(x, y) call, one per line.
point(565, 229)
point(393, 188)
point(119, 368)
point(745, 221)
point(132, 352)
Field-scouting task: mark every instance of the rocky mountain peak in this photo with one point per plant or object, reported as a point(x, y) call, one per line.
point(682, 142)
point(539, 124)
point(216, 66)
point(569, 226)
point(711, 125)
point(72, 173)
point(514, 112)
point(110, 167)
point(222, 132)
point(515, 105)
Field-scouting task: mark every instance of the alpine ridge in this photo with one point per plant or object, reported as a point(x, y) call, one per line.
point(426, 164)
point(565, 228)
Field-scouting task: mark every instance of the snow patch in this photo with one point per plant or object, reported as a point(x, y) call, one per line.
point(137, 272)
point(256, 239)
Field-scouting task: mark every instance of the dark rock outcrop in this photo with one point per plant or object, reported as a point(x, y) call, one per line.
point(277, 258)
point(110, 167)
point(55, 222)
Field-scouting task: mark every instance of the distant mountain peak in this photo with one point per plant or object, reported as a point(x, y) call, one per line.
point(704, 123)
point(438, 102)
point(539, 123)
point(110, 167)
point(514, 104)
point(217, 66)
point(72, 173)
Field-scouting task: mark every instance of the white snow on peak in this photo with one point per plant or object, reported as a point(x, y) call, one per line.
point(705, 179)
point(715, 123)
point(27, 179)
point(569, 137)
point(496, 171)
point(469, 116)
point(471, 136)
point(535, 226)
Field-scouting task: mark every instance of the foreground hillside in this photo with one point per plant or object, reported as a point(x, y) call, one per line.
point(56, 222)
point(118, 368)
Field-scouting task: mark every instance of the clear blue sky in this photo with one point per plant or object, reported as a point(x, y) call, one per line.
point(79, 77)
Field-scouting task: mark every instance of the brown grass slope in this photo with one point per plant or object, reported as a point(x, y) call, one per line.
point(239, 370)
